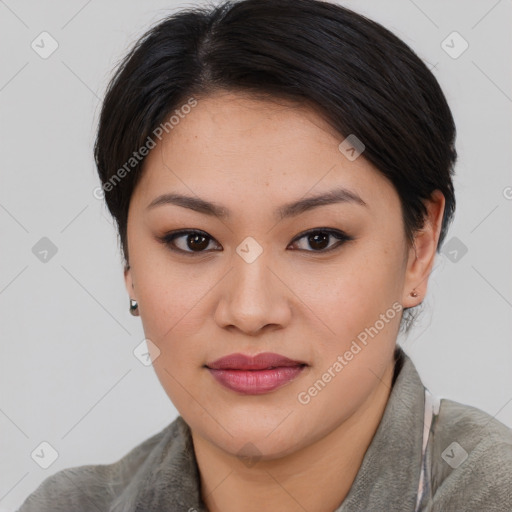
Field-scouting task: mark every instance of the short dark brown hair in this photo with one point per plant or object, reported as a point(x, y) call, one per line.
point(357, 74)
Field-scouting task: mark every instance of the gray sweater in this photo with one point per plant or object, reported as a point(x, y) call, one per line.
point(465, 465)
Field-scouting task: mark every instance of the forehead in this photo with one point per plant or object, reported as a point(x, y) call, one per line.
point(237, 123)
point(232, 142)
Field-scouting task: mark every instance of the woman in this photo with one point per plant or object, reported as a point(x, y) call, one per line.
point(281, 177)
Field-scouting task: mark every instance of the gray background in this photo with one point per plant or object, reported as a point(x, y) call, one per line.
point(68, 375)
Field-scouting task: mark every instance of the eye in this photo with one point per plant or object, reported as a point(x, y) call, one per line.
point(318, 239)
point(197, 242)
point(191, 241)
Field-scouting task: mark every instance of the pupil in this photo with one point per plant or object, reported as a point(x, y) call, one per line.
point(192, 242)
point(316, 238)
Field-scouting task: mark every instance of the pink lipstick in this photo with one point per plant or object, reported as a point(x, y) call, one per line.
point(255, 375)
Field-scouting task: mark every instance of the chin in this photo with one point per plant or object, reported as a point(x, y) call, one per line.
point(257, 440)
point(250, 450)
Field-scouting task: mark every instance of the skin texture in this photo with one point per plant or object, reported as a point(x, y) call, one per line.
point(252, 156)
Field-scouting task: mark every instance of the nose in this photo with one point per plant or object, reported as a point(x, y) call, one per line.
point(253, 298)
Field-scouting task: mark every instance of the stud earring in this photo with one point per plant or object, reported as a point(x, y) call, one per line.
point(134, 307)
point(414, 293)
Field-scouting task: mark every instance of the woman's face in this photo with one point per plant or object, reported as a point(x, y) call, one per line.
point(254, 281)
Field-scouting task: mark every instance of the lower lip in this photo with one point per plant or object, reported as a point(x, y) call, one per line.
point(256, 382)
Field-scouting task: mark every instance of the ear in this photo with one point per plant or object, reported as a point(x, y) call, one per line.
point(423, 252)
point(128, 282)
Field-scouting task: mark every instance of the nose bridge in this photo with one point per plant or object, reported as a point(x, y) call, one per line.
point(252, 276)
point(253, 298)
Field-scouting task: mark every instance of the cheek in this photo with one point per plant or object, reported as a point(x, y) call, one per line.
point(347, 298)
point(175, 334)
point(170, 297)
point(174, 309)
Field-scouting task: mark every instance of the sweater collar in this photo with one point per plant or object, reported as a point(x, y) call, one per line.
point(169, 481)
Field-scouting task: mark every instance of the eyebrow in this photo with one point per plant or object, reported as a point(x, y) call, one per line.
point(338, 195)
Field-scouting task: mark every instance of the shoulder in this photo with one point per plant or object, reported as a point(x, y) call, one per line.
point(471, 460)
point(95, 487)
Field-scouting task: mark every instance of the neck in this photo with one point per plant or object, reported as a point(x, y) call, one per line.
point(317, 477)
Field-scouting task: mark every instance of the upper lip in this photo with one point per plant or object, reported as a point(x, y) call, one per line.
point(262, 361)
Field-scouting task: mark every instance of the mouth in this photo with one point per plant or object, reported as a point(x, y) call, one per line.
point(255, 375)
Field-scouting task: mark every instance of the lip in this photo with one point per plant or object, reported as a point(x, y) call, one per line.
point(255, 375)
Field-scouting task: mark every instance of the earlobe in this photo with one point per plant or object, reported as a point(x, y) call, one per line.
point(423, 252)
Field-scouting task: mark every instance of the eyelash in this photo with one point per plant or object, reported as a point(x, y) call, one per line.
point(169, 238)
